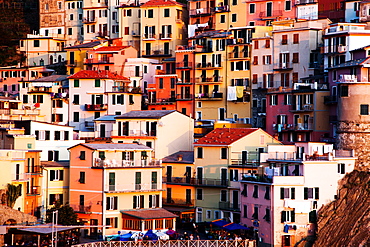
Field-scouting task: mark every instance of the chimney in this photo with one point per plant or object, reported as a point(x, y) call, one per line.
point(179, 157)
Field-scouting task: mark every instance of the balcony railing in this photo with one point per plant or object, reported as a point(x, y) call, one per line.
point(208, 65)
point(165, 35)
point(201, 11)
point(196, 181)
point(207, 96)
point(89, 20)
point(112, 163)
point(184, 97)
point(98, 61)
point(283, 66)
point(186, 65)
point(149, 36)
point(229, 206)
point(34, 190)
point(178, 201)
point(302, 108)
point(40, 89)
point(96, 107)
point(34, 170)
point(213, 79)
point(336, 49)
point(157, 52)
point(126, 89)
point(238, 55)
point(81, 208)
point(292, 127)
point(157, 101)
point(347, 78)
point(72, 63)
point(271, 14)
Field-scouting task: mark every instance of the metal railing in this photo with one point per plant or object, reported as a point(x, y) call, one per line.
point(196, 181)
point(178, 201)
point(96, 107)
point(109, 163)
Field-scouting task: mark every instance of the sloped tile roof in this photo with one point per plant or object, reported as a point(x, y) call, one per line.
point(111, 48)
point(160, 3)
point(224, 136)
point(51, 78)
point(156, 114)
point(86, 45)
point(114, 146)
point(94, 74)
point(157, 213)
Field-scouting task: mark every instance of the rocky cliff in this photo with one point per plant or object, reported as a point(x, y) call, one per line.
point(346, 221)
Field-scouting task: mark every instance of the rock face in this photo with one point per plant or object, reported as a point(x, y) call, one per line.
point(346, 221)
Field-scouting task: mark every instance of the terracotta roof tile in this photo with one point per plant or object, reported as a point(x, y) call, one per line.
point(180, 157)
point(160, 2)
point(111, 48)
point(94, 74)
point(158, 213)
point(224, 136)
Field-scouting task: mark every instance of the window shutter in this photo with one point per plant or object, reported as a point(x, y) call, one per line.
point(281, 193)
point(283, 216)
point(169, 29)
point(115, 203)
point(305, 193)
point(292, 216)
point(317, 193)
point(115, 222)
point(52, 175)
point(134, 204)
point(156, 201)
point(150, 201)
point(141, 201)
point(232, 66)
point(163, 31)
point(61, 175)
point(292, 190)
point(107, 221)
point(108, 203)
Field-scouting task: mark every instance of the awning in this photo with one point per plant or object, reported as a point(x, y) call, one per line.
point(157, 213)
point(180, 209)
point(46, 230)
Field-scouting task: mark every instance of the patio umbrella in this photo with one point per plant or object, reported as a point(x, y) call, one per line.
point(234, 226)
point(219, 223)
point(149, 235)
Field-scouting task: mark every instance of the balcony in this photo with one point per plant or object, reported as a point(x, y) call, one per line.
point(33, 170)
point(330, 100)
point(108, 60)
point(292, 127)
point(238, 41)
point(304, 2)
point(201, 12)
point(149, 36)
point(210, 97)
point(34, 190)
point(126, 89)
point(157, 53)
point(184, 97)
point(130, 187)
point(22, 177)
point(336, 49)
point(47, 90)
point(283, 66)
point(135, 33)
point(347, 79)
point(96, 107)
point(203, 49)
point(89, 20)
point(229, 206)
point(72, 63)
point(184, 65)
point(209, 80)
point(271, 14)
point(59, 96)
point(165, 35)
point(208, 66)
point(163, 101)
point(81, 208)
point(302, 108)
point(195, 181)
point(112, 163)
point(178, 202)
point(238, 55)
point(89, 124)
point(224, 8)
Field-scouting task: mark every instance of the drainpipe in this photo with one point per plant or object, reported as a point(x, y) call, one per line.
point(47, 190)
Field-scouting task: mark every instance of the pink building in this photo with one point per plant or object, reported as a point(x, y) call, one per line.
point(281, 202)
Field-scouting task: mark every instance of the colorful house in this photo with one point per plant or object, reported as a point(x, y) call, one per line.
point(220, 158)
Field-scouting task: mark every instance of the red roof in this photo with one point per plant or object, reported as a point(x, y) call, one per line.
point(224, 136)
point(157, 213)
point(95, 74)
point(160, 2)
point(112, 48)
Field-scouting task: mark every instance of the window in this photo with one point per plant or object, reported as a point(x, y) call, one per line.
point(76, 117)
point(288, 5)
point(267, 215)
point(364, 109)
point(273, 99)
point(343, 90)
point(295, 38)
point(57, 135)
point(200, 153)
point(255, 213)
point(153, 201)
point(255, 60)
point(82, 178)
point(256, 44)
point(295, 57)
point(245, 211)
point(71, 17)
point(36, 43)
point(166, 13)
point(56, 175)
point(208, 214)
point(223, 197)
point(255, 191)
point(288, 99)
point(112, 203)
point(235, 2)
point(160, 83)
point(341, 168)
point(311, 193)
point(199, 194)
point(82, 155)
point(287, 216)
point(138, 201)
point(233, 17)
point(53, 198)
point(76, 99)
point(222, 19)
point(150, 13)
point(287, 193)
point(267, 193)
point(234, 175)
point(76, 83)
point(223, 153)
point(97, 82)
point(284, 40)
point(113, 222)
point(252, 8)
point(267, 43)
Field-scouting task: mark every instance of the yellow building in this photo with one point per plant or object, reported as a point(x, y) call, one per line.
point(77, 54)
point(221, 158)
point(180, 190)
point(163, 25)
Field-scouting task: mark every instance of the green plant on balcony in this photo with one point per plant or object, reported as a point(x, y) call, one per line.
point(12, 194)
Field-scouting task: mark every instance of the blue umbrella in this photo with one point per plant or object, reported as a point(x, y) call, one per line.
point(149, 235)
point(234, 226)
point(126, 237)
point(220, 223)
